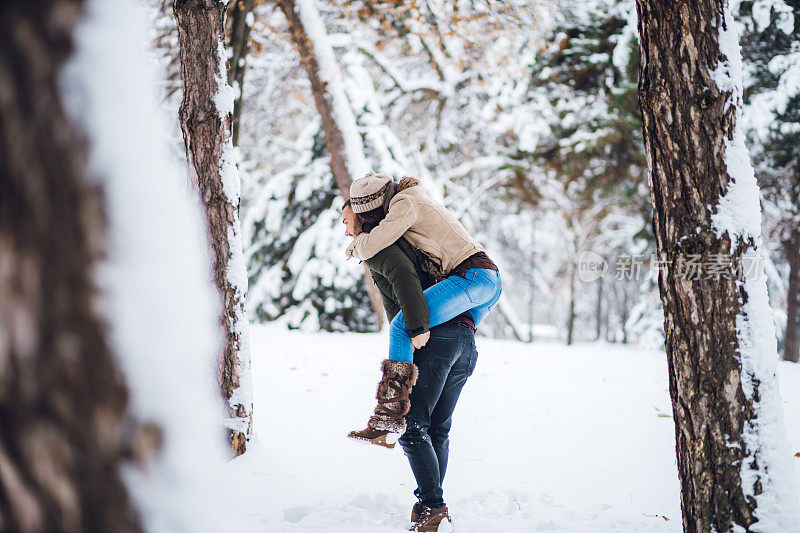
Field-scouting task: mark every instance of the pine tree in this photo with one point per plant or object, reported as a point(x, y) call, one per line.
point(295, 261)
point(583, 90)
point(589, 74)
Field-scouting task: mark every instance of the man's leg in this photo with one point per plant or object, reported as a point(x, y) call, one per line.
point(434, 362)
point(442, 415)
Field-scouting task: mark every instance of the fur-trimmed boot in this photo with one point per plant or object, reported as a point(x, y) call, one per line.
point(393, 394)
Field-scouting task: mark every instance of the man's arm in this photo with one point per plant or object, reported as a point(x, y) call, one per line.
point(394, 265)
point(385, 288)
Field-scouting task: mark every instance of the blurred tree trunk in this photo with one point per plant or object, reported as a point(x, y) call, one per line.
point(688, 122)
point(598, 312)
point(205, 134)
point(624, 311)
point(62, 398)
point(791, 346)
point(571, 317)
point(335, 140)
point(239, 17)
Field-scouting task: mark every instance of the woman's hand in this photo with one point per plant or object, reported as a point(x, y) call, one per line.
point(420, 340)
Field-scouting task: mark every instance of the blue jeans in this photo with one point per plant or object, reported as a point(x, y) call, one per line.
point(477, 292)
point(444, 364)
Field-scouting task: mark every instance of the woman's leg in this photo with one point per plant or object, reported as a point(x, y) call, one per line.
point(477, 293)
point(479, 312)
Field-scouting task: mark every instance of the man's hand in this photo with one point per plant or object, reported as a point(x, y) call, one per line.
point(420, 340)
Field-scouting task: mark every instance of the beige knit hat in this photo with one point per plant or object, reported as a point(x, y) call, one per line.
point(367, 193)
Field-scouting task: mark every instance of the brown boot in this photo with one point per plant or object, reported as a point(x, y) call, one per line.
point(373, 436)
point(393, 394)
point(417, 511)
point(436, 519)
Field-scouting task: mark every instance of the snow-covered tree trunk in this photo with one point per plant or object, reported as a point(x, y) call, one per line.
point(342, 140)
point(733, 460)
point(63, 402)
point(205, 116)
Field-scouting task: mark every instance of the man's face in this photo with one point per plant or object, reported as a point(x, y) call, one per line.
point(351, 225)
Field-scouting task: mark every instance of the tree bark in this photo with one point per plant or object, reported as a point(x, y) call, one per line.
point(206, 136)
point(791, 345)
point(335, 138)
point(238, 13)
point(688, 122)
point(63, 401)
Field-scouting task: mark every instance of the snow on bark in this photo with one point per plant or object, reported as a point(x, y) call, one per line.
point(330, 74)
point(738, 214)
point(158, 300)
point(235, 270)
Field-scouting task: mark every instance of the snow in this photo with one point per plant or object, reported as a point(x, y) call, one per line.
point(226, 95)
point(235, 269)
point(739, 215)
point(628, 38)
point(157, 296)
point(545, 438)
point(762, 10)
point(739, 210)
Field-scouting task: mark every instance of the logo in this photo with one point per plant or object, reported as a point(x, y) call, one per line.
point(591, 266)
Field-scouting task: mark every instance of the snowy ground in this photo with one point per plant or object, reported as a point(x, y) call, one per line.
point(545, 438)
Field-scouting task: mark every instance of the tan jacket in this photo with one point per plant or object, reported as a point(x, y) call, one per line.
point(427, 225)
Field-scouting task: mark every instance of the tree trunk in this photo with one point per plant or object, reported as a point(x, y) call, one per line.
point(206, 134)
point(623, 311)
point(791, 346)
point(719, 380)
point(344, 145)
point(239, 13)
point(62, 397)
point(598, 313)
point(571, 318)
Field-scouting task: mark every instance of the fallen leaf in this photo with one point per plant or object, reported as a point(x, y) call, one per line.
point(665, 518)
point(797, 455)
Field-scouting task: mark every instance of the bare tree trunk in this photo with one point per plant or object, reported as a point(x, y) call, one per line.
point(791, 345)
point(716, 380)
point(206, 135)
point(623, 311)
point(507, 312)
point(599, 309)
point(239, 15)
point(62, 397)
point(342, 142)
point(571, 318)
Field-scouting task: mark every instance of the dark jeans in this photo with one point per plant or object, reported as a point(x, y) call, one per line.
point(444, 364)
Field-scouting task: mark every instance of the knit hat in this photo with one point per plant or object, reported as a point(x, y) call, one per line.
point(368, 192)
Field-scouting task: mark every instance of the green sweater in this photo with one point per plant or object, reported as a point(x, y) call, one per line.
point(394, 270)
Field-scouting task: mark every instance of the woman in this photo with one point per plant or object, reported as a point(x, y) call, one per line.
point(468, 281)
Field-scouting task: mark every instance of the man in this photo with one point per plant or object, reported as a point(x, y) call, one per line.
point(444, 363)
